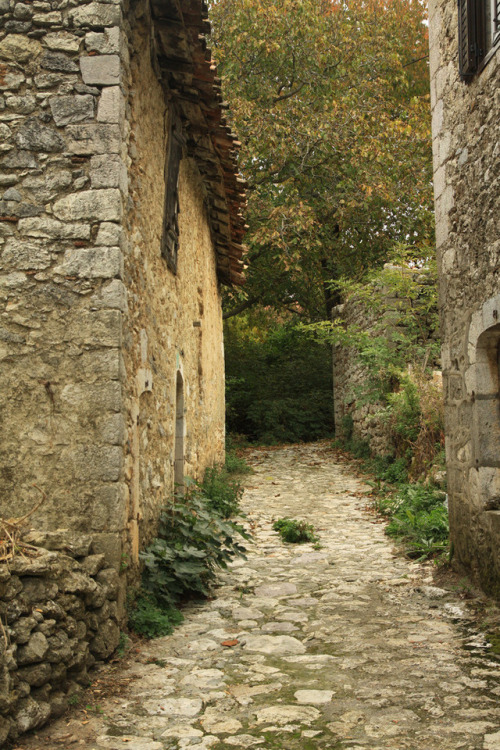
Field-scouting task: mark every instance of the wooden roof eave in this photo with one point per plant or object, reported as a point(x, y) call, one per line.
point(189, 74)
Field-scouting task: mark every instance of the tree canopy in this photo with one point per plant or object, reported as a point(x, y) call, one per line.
point(330, 102)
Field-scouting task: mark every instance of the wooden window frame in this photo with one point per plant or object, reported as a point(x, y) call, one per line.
point(478, 34)
point(175, 146)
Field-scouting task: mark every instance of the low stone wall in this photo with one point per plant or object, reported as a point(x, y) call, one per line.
point(58, 615)
point(349, 375)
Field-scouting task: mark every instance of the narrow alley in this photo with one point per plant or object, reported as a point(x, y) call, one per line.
point(345, 646)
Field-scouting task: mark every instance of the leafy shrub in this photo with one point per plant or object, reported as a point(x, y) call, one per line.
point(235, 464)
point(221, 493)
point(294, 531)
point(193, 542)
point(389, 469)
point(418, 518)
point(416, 417)
point(148, 619)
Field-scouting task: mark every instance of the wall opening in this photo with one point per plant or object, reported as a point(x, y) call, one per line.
point(487, 416)
point(179, 434)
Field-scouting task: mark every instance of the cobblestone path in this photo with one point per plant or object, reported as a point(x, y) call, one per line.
point(344, 647)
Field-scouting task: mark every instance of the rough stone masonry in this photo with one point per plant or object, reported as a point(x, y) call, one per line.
point(466, 150)
point(111, 359)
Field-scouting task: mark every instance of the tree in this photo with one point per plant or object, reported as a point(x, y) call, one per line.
point(330, 102)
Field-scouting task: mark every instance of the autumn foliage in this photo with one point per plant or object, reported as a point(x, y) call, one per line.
point(330, 102)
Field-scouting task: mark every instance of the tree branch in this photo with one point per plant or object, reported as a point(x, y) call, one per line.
point(241, 307)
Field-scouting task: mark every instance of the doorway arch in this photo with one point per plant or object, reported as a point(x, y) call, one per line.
point(484, 342)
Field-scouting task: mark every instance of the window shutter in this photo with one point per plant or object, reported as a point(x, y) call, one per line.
point(496, 21)
point(467, 47)
point(170, 240)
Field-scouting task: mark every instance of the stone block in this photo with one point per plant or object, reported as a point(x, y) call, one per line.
point(96, 463)
point(104, 70)
point(109, 513)
point(439, 181)
point(112, 429)
point(62, 41)
point(100, 365)
point(96, 329)
point(487, 414)
point(110, 545)
point(113, 295)
point(19, 160)
point(33, 136)
point(92, 205)
point(25, 256)
point(108, 172)
point(111, 107)
point(106, 640)
point(19, 48)
point(34, 651)
point(92, 263)
point(71, 109)
point(45, 227)
point(491, 312)
point(109, 234)
point(107, 43)
point(95, 15)
point(484, 485)
point(36, 675)
point(91, 400)
point(91, 565)
point(58, 62)
point(12, 79)
point(30, 714)
point(94, 138)
point(47, 19)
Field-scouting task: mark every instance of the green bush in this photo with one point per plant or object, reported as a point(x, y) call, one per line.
point(294, 531)
point(389, 469)
point(278, 381)
point(221, 493)
point(235, 464)
point(193, 541)
point(418, 518)
point(151, 621)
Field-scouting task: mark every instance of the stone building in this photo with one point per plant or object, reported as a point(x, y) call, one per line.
point(465, 97)
point(119, 218)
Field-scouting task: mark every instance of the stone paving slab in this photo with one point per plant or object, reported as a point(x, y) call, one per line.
point(345, 647)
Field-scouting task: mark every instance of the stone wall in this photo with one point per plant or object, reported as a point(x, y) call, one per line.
point(96, 331)
point(174, 331)
point(63, 187)
point(349, 379)
point(111, 366)
point(466, 151)
point(59, 615)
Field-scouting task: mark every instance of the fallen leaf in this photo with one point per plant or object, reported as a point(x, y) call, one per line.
point(234, 642)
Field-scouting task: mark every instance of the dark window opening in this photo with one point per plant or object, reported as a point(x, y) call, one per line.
point(170, 238)
point(179, 435)
point(478, 33)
